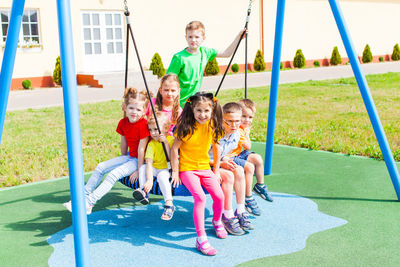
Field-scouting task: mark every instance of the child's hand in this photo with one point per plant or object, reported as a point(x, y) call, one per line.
point(134, 176)
point(148, 185)
point(228, 164)
point(241, 32)
point(176, 181)
point(162, 138)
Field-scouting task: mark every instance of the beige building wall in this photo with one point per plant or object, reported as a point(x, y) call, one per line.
point(158, 26)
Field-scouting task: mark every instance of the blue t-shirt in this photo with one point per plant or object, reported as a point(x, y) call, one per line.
point(227, 144)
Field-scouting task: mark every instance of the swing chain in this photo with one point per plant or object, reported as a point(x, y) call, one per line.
point(126, 12)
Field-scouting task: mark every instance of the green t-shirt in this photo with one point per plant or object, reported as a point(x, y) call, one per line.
point(190, 68)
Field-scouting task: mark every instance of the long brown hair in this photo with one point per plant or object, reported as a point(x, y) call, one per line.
point(133, 93)
point(175, 107)
point(186, 122)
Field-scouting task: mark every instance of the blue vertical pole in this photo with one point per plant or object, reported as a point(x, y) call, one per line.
point(72, 126)
point(273, 97)
point(366, 95)
point(7, 66)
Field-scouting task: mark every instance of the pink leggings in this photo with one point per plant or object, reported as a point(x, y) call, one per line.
point(193, 180)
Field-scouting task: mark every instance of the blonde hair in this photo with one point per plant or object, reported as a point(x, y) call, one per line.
point(231, 107)
point(175, 108)
point(134, 94)
point(247, 103)
point(163, 121)
point(195, 25)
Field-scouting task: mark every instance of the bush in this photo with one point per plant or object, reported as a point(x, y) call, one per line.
point(317, 64)
point(57, 72)
point(235, 67)
point(336, 59)
point(299, 60)
point(381, 59)
point(396, 53)
point(212, 67)
point(157, 66)
point(281, 66)
point(259, 63)
point(26, 84)
point(367, 55)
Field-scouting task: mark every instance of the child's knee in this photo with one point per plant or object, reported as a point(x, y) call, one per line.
point(249, 167)
point(228, 178)
point(256, 159)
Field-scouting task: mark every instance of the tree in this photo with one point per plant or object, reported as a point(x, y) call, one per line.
point(212, 67)
point(367, 55)
point(396, 53)
point(259, 63)
point(299, 60)
point(57, 72)
point(336, 59)
point(157, 66)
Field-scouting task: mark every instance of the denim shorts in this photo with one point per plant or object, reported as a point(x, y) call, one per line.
point(241, 159)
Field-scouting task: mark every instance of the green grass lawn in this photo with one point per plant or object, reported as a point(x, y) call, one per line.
point(324, 115)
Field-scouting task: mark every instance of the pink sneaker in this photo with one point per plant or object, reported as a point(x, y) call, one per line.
point(219, 230)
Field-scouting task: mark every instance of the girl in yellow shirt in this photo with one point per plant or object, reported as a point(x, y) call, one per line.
point(199, 126)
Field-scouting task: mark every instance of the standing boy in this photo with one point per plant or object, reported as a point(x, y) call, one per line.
point(250, 161)
point(189, 64)
point(232, 175)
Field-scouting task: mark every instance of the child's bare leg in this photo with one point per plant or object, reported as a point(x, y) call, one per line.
point(227, 187)
point(239, 185)
point(257, 161)
point(249, 172)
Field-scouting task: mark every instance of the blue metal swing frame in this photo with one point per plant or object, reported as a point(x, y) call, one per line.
point(75, 162)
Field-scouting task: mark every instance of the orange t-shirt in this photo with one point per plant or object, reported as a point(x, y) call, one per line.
point(244, 135)
point(194, 149)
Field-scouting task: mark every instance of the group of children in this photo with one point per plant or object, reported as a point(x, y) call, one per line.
point(209, 146)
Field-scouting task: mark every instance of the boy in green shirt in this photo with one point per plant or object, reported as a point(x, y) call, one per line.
point(189, 64)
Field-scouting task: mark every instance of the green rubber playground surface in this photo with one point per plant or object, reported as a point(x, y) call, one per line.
point(356, 189)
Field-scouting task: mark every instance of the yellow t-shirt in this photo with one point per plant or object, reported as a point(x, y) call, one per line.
point(244, 135)
point(155, 152)
point(194, 149)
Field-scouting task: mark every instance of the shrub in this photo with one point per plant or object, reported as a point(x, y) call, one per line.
point(396, 53)
point(57, 72)
point(259, 63)
point(26, 84)
point(299, 60)
point(336, 59)
point(235, 67)
point(157, 66)
point(317, 63)
point(381, 59)
point(367, 55)
point(212, 67)
point(281, 66)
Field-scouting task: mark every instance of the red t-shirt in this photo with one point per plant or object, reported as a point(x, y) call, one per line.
point(133, 133)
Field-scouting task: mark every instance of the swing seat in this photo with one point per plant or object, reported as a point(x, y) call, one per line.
point(181, 190)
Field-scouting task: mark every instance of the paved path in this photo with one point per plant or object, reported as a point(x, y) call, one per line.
point(50, 97)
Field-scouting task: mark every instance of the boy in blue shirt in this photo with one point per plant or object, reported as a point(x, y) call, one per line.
point(232, 175)
point(189, 64)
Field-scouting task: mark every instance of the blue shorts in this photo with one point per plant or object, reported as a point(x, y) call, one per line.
point(241, 159)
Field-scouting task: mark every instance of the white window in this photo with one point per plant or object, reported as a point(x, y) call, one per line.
point(29, 36)
point(102, 33)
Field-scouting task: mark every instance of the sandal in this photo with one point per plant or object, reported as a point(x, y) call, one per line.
point(168, 213)
point(209, 251)
point(219, 230)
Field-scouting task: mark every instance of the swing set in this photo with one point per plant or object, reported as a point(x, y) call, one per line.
point(75, 162)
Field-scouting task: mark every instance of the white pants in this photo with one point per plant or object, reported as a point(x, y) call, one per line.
point(162, 175)
point(118, 168)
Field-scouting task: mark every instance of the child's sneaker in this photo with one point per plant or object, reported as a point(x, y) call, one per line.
point(68, 206)
point(244, 221)
point(141, 196)
point(262, 191)
point(252, 207)
point(232, 225)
